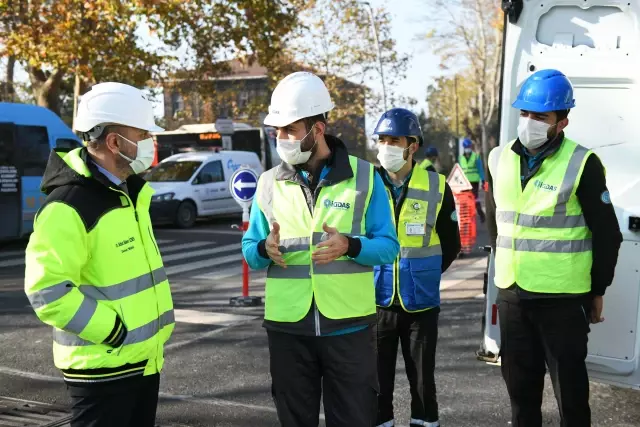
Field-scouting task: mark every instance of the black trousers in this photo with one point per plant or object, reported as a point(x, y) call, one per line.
point(475, 190)
point(418, 335)
point(551, 331)
point(342, 367)
point(126, 403)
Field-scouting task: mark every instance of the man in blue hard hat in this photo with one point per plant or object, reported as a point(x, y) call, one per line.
point(408, 290)
point(471, 164)
point(556, 240)
point(431, 158)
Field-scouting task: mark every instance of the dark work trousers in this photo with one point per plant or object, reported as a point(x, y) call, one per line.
point(130, 402)
point(549, 330)
point(343, 367)
point(475, 189)
point(418, 334)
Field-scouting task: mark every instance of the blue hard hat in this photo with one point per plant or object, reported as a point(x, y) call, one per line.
point(466, 143)
point(399, 122)
point(545, 91)
point(431, 152)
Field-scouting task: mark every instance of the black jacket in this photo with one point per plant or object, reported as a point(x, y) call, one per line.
point(599, 216)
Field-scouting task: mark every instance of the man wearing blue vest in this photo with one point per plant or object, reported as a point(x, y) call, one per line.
point(473, 168)
point(556, 240)
point(319, 223)
point(408, 289)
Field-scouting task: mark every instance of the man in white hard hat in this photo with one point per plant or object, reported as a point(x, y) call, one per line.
point(319, 223)
point(93, 269)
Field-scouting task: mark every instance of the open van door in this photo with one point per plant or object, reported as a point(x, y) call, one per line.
point(596, 43)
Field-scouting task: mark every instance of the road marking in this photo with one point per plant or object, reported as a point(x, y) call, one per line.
point(183, 268)
point(463, 273)
point(6, 254)
point(30, 375)
point(163, 241)
point(12, 262)
point(221, 274)
point(205, 231)
point(210, 251)
point(208, 318)
point(191, 245)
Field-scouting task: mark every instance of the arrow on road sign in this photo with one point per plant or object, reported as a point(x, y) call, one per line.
point(243, 186)
point(239, 185)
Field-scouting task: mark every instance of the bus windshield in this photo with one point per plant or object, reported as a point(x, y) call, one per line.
point(172, 171)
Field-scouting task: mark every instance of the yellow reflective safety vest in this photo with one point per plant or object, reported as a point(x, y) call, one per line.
point(415, 275)
point(93, 259)
point(343, 288)
point(426, 163)
point(470, 167)
point(543, 244)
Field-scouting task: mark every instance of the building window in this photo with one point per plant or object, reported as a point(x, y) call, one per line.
point(177, 103)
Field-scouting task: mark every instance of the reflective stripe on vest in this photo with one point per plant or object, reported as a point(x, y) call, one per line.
point(342, 288)
point(470, 168)
point(416, 273)
point(543, 244)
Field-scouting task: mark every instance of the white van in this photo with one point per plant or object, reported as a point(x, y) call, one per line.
point(595, 43)
point(196, 184)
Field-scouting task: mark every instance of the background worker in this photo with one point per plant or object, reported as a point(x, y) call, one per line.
point(429, 163)
point(319, 222)
point(556, 240)
point(408, 290)
point(93, 270)
point(471, 164)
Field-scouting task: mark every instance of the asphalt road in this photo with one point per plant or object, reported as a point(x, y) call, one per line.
point(217, 371)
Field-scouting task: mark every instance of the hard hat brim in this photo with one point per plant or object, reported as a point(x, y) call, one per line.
point(535, 107)
point(279, 121)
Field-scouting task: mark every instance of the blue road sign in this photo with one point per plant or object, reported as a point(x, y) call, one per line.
point(244, 183)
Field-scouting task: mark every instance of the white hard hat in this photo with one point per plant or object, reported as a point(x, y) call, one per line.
point(297, 96)
point(116, 104)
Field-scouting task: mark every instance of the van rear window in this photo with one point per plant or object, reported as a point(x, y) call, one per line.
point(172, 171)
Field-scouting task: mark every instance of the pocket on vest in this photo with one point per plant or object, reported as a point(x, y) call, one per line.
point(383, 280)
point(424, 274)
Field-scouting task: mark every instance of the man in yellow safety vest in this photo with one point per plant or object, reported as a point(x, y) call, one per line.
point(556, 240)
point(93, 269)
point(408, 290)
point(471, 164)
point(319, 223)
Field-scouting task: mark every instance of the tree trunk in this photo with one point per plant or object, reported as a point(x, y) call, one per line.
point(46, 88)
point(9, 90)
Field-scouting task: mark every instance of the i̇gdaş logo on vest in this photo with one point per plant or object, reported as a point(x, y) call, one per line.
point(338, 205)
point(541, 185)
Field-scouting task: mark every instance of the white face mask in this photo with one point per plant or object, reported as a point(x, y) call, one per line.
point(144, 155)
point(391, 158)
point(291, 151)
point(533, 133)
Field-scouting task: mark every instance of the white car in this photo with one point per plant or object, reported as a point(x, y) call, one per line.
point(193, 185)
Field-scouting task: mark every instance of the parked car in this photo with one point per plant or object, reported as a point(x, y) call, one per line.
point(196, 184)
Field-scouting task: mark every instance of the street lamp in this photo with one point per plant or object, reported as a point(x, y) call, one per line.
point(375, 37)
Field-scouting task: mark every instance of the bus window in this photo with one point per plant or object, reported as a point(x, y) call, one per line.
point(65, 144)
point(33, 142)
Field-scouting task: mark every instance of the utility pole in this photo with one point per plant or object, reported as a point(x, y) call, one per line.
point(375, 37)
point(455, 88)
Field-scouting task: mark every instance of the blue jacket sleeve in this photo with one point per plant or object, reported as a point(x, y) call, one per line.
point(480, 168)
point(258, 231)
point(380, 246)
